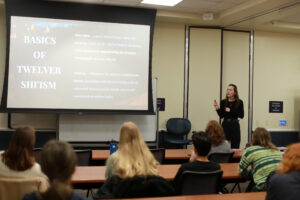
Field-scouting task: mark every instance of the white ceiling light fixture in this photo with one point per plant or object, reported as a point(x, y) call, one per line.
point(288, 25)
point(162, 2)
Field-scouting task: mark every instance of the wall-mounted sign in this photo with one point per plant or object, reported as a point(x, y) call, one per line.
point(161, 104)
point(275, 106)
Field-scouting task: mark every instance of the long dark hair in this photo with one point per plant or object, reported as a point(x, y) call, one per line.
point(236, 96)
point(19, 155)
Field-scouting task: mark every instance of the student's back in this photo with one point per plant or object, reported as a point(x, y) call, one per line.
point(132, 170)
point(18, 160)
point(58, 162)
point(262, 156)
point(284, 186)
point(286, 183)
point(198, 161)
point(217, 136)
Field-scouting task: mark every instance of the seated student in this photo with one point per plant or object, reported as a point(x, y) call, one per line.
point(217, 136)
point(198, 160)
point(58, 162)
point(132, 170)
point(286, 183)
point(262, 156)
point(18, 160)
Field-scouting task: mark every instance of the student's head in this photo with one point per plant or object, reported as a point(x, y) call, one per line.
point(133, 156)
point(291, 159)
point(215, 131)
point(19, 155)
point(261, 137)
point(58, 162)
point(202, 143)
point(130, 136)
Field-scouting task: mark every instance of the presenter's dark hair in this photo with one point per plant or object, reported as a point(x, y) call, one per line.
point(236, 96)
point(202, 143)
point(58, 162)
point(19, 156)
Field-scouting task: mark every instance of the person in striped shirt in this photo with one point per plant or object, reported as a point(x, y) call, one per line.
point(262, 156)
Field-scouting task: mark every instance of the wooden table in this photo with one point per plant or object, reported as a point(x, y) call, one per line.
point(171, 154)
point(235, 196)
point(96, 174)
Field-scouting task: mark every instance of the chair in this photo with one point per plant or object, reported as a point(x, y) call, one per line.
point(221, 157)
point(83, 157)
point(201, 182)
point(134, 187)
point(37, 154)
point(224, 158)
point(177, 130)
point(15, 188)
point(159, 154)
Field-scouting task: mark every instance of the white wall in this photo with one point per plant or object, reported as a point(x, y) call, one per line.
point(276, 78)
point(168, 67)
point(204, 76)
point(276, 74)
point(236, 71)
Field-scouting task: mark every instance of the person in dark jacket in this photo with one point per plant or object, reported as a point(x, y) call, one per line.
point(198, 161)
point(132, 170)
point(135, 187)
point(231, 108)
point(285, 184)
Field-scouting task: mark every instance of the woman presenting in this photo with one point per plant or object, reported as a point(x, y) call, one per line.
point(231, 108)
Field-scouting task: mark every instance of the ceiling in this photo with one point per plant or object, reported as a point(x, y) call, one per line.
point(271, 15)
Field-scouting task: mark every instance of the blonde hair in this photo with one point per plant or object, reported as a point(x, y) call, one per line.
point(134, 157)
point(262, 137)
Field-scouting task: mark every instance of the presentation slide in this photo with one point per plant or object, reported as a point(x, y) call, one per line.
point(68, 64)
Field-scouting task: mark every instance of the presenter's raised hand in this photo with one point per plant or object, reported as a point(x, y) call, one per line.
point(216, 105)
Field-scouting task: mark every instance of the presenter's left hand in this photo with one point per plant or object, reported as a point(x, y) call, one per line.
point(227, 109)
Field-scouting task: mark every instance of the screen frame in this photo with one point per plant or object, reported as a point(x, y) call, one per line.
point(84, 12)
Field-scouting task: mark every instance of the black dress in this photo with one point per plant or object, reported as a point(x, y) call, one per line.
point(230, 122)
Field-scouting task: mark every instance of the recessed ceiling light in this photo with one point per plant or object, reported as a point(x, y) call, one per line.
point(162, 2)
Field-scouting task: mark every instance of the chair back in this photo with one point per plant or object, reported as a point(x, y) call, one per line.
point(16, 188)
point(37, 154)
point(135, 187)
point(83, 157)
point(201, 182)
point(178, 126)
point(159, 154)
point(221, 157)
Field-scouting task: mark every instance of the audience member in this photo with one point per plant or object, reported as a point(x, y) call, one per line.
point(18, 160)
point(217, 135)
point(286, 183)
point(132, 170)
point(262, 156)
point(198, 161)
point(58, 162)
